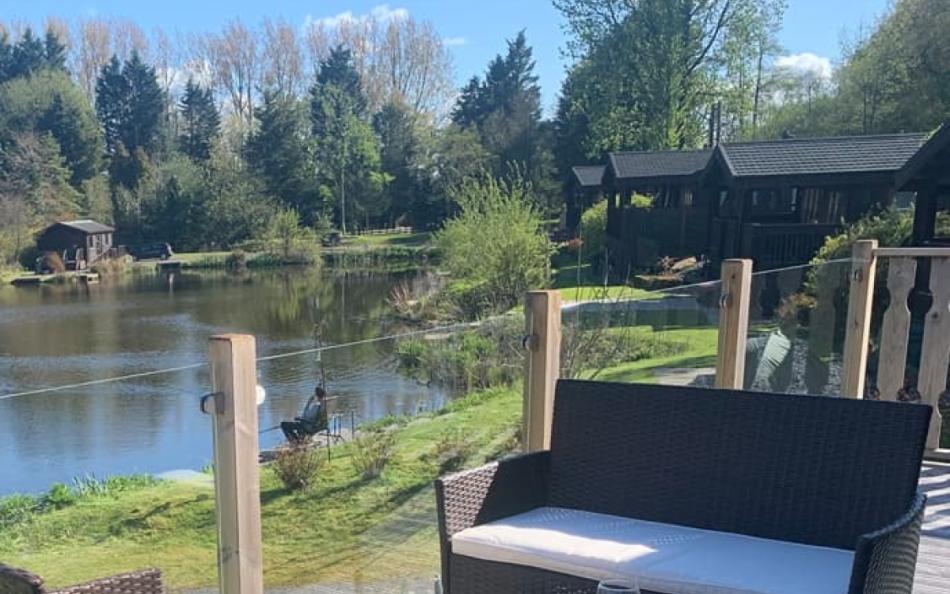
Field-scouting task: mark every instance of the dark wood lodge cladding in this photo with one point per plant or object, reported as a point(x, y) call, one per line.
point(772, 201)
point(928, 174)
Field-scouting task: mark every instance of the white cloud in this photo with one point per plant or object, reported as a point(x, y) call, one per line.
point(806, 63)
point(454, 41)
point(382, 13)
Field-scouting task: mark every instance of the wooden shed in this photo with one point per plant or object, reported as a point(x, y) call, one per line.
point(79, 243)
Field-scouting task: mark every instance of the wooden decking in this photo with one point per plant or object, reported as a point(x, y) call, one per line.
point(933, 566)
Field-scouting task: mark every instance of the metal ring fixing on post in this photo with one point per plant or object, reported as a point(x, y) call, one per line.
point(218, 406)
point(724, 300)
point(856, 275)
point(526, 342)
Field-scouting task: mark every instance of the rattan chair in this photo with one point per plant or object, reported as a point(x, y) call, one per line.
point(18, 581)
point(830, 472)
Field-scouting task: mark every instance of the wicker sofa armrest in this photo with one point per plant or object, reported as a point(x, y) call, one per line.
point(148, 581)
point(494, 491)
point(885, 560)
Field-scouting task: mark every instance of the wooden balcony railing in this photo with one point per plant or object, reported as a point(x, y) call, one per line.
point(779, 245)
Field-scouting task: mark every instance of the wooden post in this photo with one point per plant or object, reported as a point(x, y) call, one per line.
point(236, 478)
point(542, 366)
point(935, 349)
point(733, 323)
point(858, 329)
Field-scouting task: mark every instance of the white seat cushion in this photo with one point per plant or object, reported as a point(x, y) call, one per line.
point(659, 557)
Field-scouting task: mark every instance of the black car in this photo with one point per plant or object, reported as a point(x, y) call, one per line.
point(332, 239)
point(150, 251)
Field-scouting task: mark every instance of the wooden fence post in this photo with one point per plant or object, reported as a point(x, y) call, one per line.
point(858, 330)
point(542, 366)
point(236, 472)
point(733, 323)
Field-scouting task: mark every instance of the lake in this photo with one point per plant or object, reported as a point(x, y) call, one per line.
point(67, 334)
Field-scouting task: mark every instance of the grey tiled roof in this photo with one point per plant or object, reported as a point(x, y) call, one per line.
point(88, 226)
point(647, 164)
point(821, 156)
point(589, 176)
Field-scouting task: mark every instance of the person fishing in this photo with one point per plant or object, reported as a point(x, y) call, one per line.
point(312, 421)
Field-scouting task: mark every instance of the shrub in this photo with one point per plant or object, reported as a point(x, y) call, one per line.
point(289, 241)
point(371, 452)
point(59, 496)
point(17, 509)
point(236, 261)
point(297, 466)
point(452, 449)
point(54, 263)
point(497, 242)
point(594, 232)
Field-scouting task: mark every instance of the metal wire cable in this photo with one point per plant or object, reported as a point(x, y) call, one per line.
point(131, 376)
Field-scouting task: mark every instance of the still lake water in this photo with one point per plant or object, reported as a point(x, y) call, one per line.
point(60, 335)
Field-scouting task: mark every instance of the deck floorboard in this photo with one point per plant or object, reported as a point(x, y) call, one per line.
point(933, 562)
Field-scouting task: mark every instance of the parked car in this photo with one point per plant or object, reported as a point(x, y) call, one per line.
point(150, 251)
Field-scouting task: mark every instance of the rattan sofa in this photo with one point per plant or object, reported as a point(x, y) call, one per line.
point(832, 477)
point(19, 581)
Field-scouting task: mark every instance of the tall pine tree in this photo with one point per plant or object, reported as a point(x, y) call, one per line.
point(278, 153)
point(200, 122)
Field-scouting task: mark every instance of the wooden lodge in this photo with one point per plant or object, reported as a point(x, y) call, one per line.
point(79, 243)
point(675, 223)
point(771, 201)
point(585, 189)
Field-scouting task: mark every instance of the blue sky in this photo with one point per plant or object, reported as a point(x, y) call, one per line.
point(477, 29)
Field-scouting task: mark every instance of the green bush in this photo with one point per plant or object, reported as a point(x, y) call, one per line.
point(452, 450)
point(59, 496)
point(371, 452)
point(594, 232)
point(497, 242)
point(297, 466)
point(17, 509)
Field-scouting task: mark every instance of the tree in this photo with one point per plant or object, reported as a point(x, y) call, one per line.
point(395, 127)
point(345, 147)
point(49, 102)
point(200, 123)
point(497, 222)
point(130, 105)
point(234, 61)
point(278, 152)
point(34, 191)
point(281, 58)
point(29, 55)
point(54, 51)
point(505, 108)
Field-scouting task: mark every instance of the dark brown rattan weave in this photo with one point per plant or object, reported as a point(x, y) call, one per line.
point(18, 581)
point(820, 471)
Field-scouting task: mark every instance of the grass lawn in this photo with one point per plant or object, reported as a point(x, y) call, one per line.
point(329, 533)
point(701, 345)
point(388, 240)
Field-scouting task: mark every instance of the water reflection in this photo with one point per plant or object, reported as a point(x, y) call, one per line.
point(56, 335)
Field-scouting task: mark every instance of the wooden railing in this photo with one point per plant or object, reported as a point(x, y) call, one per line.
point(931, 380)
point(778, 245)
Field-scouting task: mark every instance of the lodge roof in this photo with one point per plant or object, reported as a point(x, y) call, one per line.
point(589, 176)
point(656, 164)
point(87, 226)
point(884, 153)
point(935, 145)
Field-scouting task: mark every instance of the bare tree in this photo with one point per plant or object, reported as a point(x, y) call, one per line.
point(281, 58)
point(233, 57)
point(128, 37)
point(414, 66)
point(92, 51)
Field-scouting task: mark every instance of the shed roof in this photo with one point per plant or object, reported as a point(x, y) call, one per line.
point(657, 164)
point(589, 176)
point(885, 153)
point(87, 226)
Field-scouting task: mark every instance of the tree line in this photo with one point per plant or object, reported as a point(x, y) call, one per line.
point(674, 74)
point(203, 142)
